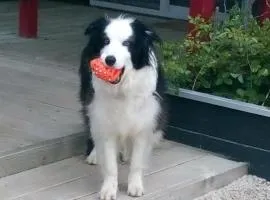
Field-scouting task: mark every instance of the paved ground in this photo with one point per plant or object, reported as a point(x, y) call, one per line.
point(245, 188)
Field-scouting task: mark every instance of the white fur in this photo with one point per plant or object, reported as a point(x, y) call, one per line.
point(123, 112)
point(118, 31)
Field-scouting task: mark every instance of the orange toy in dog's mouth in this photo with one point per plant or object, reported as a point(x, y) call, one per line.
point(105, 72)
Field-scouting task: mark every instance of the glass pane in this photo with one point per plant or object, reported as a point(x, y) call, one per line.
point(151, 4)
point(183, 3)
point(227, 4)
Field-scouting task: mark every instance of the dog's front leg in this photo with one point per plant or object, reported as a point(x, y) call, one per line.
point(137, 165)
point(108, 163)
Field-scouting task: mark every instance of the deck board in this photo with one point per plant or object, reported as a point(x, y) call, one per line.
point(40, 123)
point(163, 158)
point(35, 105)
point(172, 168)
point(39, 80)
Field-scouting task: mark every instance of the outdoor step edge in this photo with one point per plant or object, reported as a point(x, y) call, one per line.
point(203, 185)
point(42, 153)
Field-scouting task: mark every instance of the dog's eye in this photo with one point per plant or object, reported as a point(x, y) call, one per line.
point(126, 43)
point(106, 41)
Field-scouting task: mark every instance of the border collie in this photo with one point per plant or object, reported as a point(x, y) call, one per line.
point(126, 118)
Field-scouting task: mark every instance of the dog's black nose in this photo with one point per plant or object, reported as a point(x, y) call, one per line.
point(110, 60)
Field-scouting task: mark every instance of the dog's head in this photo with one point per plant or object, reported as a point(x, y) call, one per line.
point(121, 42)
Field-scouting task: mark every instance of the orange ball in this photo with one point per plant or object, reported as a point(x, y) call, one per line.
point(105, 72)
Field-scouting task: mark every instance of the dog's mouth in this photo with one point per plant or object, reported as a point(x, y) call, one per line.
point(119, 78)
point(106, 73)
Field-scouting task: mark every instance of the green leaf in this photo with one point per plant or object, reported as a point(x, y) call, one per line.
point(240, 79)
point(206, 84)
point(255, 66)
point(235, 75)
point(234, 63)
point(240, 92)
point(228, 81)
point(264, 72)
point(219, 81)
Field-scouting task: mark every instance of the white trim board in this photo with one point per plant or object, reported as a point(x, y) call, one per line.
point(224, 102)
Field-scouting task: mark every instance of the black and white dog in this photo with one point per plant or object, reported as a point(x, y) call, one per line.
point(127, 117)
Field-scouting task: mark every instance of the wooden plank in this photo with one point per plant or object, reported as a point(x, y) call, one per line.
point(31, 114)
point(61, 96)
point(25, 121)
point(186, 181)
point(38, 113)
point(28, 107)
point(35, 81)
point(174, 179)
point(22, 96)
point(51, 21)
point(39, 69)
point(12, 6)
point(71, 169)
point(14, 134)
point(40, 153)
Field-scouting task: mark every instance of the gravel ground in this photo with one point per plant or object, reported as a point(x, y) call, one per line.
point(246, 188)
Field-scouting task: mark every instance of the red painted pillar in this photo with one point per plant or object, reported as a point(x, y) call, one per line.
point(265, 10)
point(28, 18)
point(202, 8)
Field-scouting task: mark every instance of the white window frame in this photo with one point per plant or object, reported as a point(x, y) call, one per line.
point(165, 9)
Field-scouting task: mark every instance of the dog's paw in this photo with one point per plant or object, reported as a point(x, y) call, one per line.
point(108, 190)
point(135, 187)
point(92, 158)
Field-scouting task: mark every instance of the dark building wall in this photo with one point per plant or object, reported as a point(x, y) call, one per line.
point(79, 2)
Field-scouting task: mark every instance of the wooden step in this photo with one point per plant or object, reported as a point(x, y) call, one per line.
point(40, 121)
point(176, 171)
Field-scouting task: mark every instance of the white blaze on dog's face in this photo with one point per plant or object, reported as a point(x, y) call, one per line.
point(117, 36)
point(122, 42)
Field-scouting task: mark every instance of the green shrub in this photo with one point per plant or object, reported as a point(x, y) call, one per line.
point(233, 63)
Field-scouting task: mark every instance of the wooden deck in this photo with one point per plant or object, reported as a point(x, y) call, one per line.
point(38, 105)
point(40, 123)
point(39, 83)
point(175, 172)
point(61, 28)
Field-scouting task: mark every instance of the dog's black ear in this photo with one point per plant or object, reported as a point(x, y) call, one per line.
point(96, 25)
point(153, 35)
point(149, 33)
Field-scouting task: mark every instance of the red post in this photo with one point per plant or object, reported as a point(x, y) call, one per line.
point(28, 18)
point(265, 10)
point(202, 8)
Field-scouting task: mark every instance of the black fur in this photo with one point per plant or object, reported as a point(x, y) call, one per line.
point(141, 42)
point(139, 46)
point(92, 50)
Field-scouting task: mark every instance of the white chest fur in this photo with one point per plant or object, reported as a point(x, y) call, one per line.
point(125, 109)
point(124, 115)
